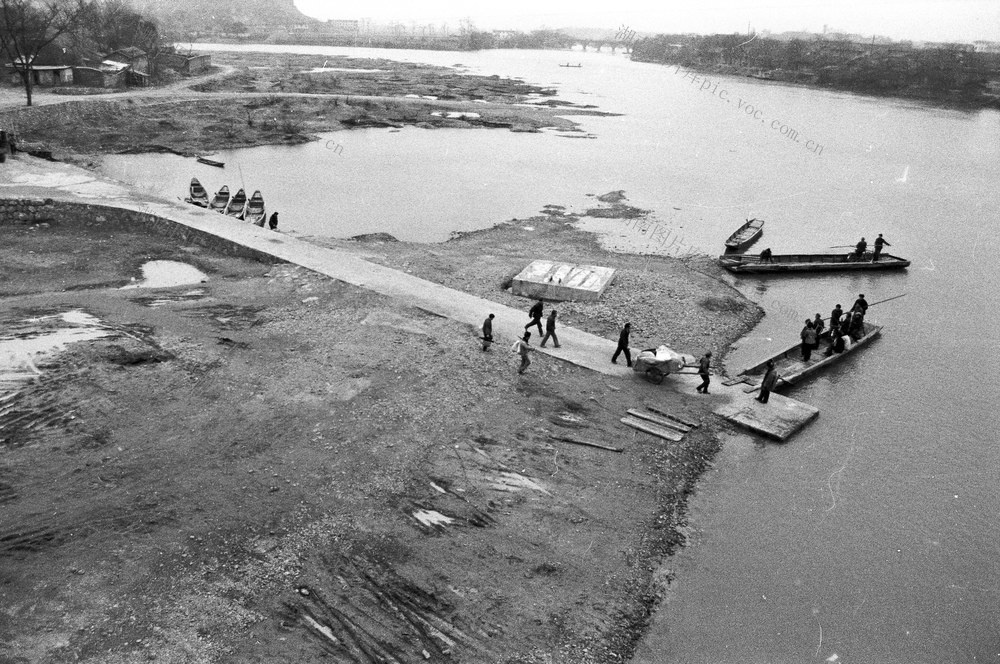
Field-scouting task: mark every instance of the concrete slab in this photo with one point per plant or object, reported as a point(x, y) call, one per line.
point(549, 280)
point(779, 418)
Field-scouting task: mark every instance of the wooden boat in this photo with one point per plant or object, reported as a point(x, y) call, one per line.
point(741, 263)
point(792, 369)
point(211, 162)
point(220, 200)
point(255, 213)
point(237, 204)
point(197, 194)
point(745, 235)
point(569, 65)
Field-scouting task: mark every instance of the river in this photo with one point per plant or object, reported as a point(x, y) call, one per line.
point(872, 536)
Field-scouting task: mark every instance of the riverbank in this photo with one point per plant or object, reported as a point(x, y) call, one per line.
point(274, 465)
point(262, 99)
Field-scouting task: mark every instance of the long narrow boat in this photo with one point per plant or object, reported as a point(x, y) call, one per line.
point(792, 369)
point(809, 263)
point(255, 213)
point(745, 235)
point(211, 162)
point(237, 204)
point(197, 194)
point(220, 200)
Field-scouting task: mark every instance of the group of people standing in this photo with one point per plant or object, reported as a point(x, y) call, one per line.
point(861, 247)
point(845, 328)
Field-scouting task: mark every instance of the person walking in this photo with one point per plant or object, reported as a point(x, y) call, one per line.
point(522, 348)
point(879, 243)
point(623, 346)
point(703, 366)
point(272, 223)
point(835, 318)
point(550, 330)
point(488, 332)
point(770, 380)
point(535, 313)
point(808, 336)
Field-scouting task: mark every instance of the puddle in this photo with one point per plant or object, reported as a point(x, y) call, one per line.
point(167, 274)
point(320, 70)
point(456, 114)
point(38, 340)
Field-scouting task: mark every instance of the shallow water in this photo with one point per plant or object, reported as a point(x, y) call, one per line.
point(38, 339)
point(168, 274)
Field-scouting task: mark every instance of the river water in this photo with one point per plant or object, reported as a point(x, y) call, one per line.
point(873, 535)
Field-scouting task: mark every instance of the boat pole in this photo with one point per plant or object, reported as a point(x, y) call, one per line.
point(894, 297)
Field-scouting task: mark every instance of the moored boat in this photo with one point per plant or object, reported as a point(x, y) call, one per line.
point(237, 204)
point(745, 235)
point(211, 162)
point(741, 263)
point(220, 200)
point(792, 369)
point(197, 194)
point(255, 212)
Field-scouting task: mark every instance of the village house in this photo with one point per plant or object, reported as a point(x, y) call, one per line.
point(185, 64)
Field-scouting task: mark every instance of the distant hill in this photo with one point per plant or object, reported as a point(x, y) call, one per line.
point(211, 15)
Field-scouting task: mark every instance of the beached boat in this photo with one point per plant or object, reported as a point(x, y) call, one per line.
point(255, 213)
point(211, 162)
point(809, 263)
point(745, 235)
point(197, 194)
point(237, 204)
point(792, 369)
point(220, 200)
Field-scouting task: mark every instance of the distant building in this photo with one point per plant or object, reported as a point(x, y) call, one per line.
point(986, 46)
point(106, 74)
point(185, 64)
point(134, 57)
point(44, 72)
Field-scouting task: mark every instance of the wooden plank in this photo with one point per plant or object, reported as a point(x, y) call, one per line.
point(651, 429)
point(673, 426)
point(690, 425)
point(577, 441)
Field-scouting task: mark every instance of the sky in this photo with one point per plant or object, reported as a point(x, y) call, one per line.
point(924, 20)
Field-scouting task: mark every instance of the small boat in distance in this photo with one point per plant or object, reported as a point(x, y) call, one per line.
point(197, 194)
point(220, 200)
point(569, 65)
point(792, 369)
point(211, 162)
point(753, 264)
point(237, 204)
point(255, 213)
point(745, 235)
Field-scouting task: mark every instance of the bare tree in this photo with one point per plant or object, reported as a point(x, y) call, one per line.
point(28, 26)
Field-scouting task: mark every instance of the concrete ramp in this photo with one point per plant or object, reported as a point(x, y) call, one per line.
point(779, 418)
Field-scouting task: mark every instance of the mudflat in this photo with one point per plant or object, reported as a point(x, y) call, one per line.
point(275, 466)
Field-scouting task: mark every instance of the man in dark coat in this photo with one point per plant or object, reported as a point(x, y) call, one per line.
point(861, 304)
point(623, 346)
point(488, 332)
point(535, 313)
point(835, 318)
point(860, 248)
point(879, 243)
point(550, 330)
point(273, 222)
point(770, 380)
point(703, 366)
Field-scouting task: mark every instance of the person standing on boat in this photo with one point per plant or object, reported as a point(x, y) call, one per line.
point(861, 304)
point(488, 332)
point(879, 243)
point(845, 323)
point(819, 325)
point(550, 330)
point(808, 336)
point(860, 248)
point(835, 319)
point(535, 313)
point(623, 346)
point(770, 380)
point(273, 221)
point(703, 366)
point(857, 325)
point(765, 256)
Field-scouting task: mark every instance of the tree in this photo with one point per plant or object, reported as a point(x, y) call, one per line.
point(28, 26)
